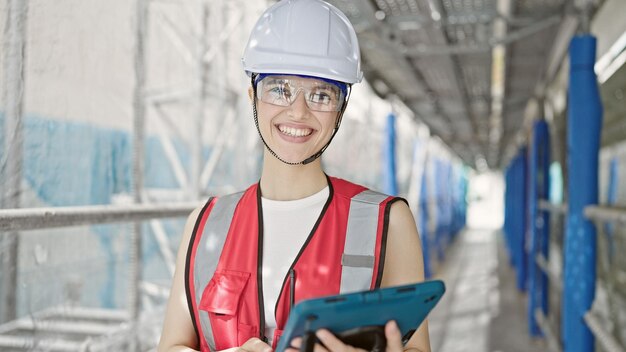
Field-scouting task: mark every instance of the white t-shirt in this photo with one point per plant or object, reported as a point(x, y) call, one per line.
point(286, 226)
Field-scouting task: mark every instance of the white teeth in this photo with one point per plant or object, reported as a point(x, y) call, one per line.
point(295, 132)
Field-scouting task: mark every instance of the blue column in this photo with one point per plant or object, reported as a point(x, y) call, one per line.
point(462, 198)
point(458, 200)
point(423, 222)
point(520, 233)
point(440, 184)
point(512, 189)
point(391, 185)
point(446, 204)
point(508, 204)
point(583, 141)
point(538, 222)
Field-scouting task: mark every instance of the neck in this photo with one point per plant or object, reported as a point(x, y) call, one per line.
point(280, 181)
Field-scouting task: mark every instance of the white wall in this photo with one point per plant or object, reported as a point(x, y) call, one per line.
point(486, 201)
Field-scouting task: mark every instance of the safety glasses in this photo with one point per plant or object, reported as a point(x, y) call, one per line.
point(320, 95)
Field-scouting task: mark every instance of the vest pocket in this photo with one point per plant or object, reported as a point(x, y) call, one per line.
point(221, 299)
point(223, 293)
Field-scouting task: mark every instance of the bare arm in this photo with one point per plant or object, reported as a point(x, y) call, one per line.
point(404, 262)
point(178, 334)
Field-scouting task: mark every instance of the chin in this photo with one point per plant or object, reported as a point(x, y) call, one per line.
point(291, 157)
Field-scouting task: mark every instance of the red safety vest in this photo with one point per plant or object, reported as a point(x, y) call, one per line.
point(343, 253)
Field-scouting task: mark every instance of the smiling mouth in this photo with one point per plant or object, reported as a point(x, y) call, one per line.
point(294, 132)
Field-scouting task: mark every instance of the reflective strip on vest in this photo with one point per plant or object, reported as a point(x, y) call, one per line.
point(208, 253)
point(360, 246)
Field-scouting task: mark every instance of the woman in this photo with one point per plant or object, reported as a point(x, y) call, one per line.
point(246, 258)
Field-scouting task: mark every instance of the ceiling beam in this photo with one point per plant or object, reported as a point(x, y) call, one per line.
point(458, 73)
point(511, 37)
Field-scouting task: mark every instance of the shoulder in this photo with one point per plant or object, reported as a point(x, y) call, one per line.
point(235, 197)
point(199, 214)
point(359, 193)
point(343, 188)
point(399, 211)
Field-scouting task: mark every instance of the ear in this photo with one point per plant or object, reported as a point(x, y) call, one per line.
point(250, 93)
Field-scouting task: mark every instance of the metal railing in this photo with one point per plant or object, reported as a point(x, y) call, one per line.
point(98, 327)
point(555, 278)
point(544, 324)
point(604, 214)
point(604, 337)
point(44, 218)
point(93, 324)
point(597, 214)
point(552, 208)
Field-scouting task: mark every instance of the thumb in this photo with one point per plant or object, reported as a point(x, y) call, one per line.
point(394, 337)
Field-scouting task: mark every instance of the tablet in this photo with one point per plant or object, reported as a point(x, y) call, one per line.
point(408, 305)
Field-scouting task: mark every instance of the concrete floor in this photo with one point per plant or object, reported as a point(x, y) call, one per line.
point(482, 310)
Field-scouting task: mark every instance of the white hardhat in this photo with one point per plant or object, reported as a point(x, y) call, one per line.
point(304, 37)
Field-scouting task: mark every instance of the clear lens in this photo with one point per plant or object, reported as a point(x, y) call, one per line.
point(283, 91)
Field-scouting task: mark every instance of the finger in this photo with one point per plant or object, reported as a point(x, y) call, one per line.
point(256, 345)
point(319, 348)
point(394, 337)
point(296, 342)
point(331, 342)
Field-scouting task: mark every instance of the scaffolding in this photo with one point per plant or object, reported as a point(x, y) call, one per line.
point(198, 32)
point(174, 84)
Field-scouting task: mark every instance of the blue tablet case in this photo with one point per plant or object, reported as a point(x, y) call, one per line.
point(408, 305)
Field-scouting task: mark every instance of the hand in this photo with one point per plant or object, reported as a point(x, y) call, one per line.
point(333, 344)
point(253, 345)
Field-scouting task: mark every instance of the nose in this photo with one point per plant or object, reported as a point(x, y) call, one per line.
point(299, 109)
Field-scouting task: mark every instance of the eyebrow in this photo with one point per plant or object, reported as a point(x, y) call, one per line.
point(275, 80)
point(329, 86)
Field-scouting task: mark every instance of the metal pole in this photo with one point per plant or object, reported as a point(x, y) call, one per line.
point(15, 34)
point(139, 106)
point(197, 160)
point(584, 129)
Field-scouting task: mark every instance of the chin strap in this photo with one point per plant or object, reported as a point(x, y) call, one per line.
point(312, 157)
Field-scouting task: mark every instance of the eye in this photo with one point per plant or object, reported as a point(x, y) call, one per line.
point(320, 98)
point(279, 91)
point(323, 95)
